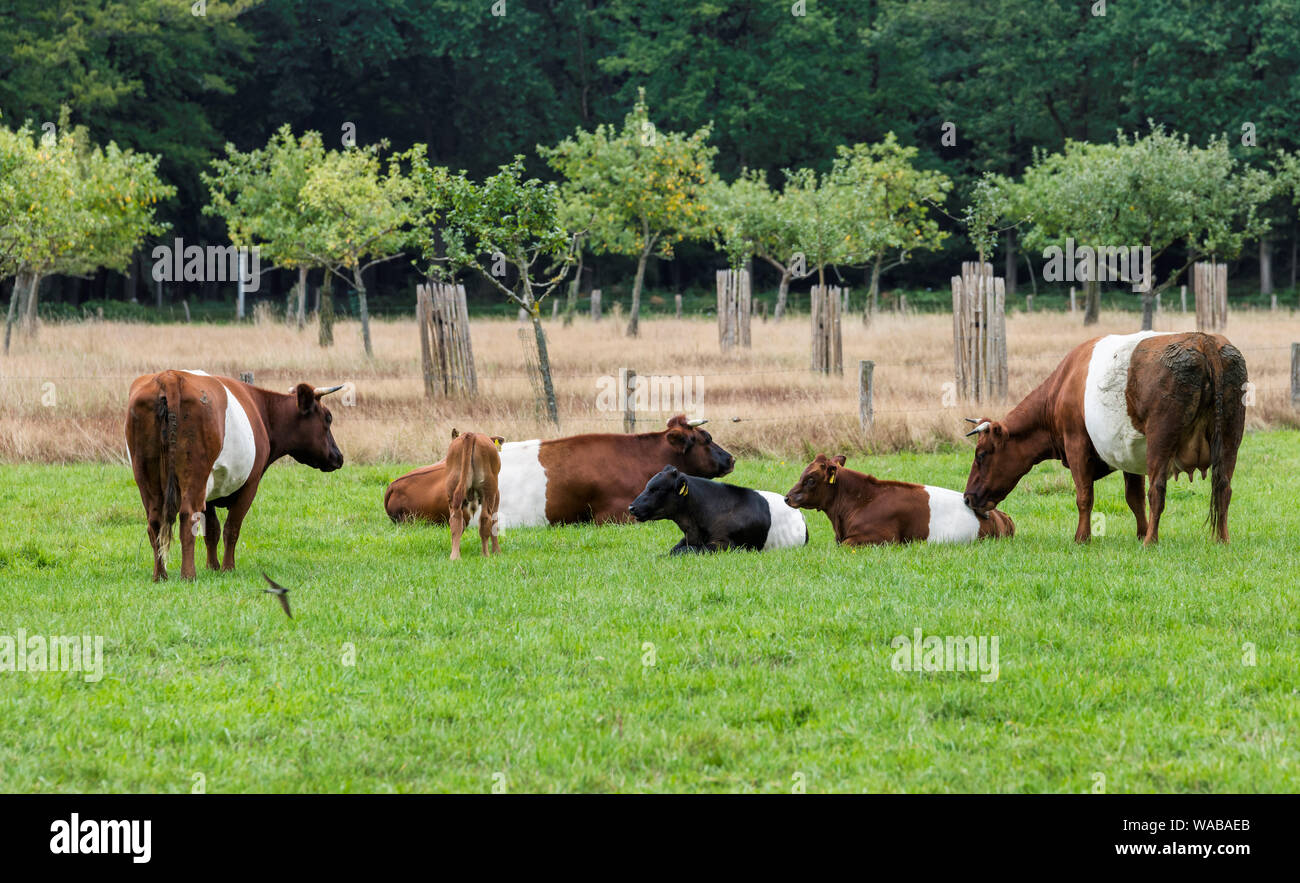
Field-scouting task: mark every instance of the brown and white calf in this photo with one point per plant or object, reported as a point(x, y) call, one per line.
point(198, 442)
point(472, 466)
point(865, 510)
point(569, 480)
point(1150, 405)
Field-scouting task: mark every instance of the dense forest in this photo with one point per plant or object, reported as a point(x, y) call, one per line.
point(975, 85)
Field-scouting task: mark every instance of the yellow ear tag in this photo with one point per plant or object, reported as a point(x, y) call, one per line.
point(497, 442)
point(682, 492)
point(831, 480)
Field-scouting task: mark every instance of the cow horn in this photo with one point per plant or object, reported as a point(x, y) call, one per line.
point(983, 427)
point(699, 421)
point(326, 390)
point(971, 420)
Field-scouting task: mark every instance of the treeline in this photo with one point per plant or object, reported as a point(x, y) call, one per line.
point(973, 86)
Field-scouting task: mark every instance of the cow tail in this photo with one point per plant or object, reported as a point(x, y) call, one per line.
point(168, 417)
point(1228, 375)
point(465, 479)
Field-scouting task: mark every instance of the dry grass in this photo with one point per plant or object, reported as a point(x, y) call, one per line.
point(65, 392)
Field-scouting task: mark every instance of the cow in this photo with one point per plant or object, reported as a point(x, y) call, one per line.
point(714, 516)
point(473, 464)
point(569, 480)
point(198, 442)
point(1149, 405)
point(865, 510)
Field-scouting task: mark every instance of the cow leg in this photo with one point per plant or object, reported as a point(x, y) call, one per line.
point(235, 513)
point(186, 529)
point(1135, 496)
point(487, 522)
point(1081, 471)
point(211, 535)
point(458, 520)
point(1160, 452)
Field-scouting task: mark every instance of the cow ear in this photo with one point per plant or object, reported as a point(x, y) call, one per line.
point(306, 398)
point(998, 431)
point(682, 489)
point(455, 433)
point(679, 440)
point(830, 473)
point(498, 441)
point(840, 459)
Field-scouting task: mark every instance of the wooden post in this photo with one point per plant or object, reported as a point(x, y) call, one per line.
point(1072, 303)
point(979, 332)
point(555, 310)
point(677, 300)
point(1295, 376)
point(186, 304)
point(423, 320)
point(246, 377)
point(629, 400)
point(595, 304)
point(1273, 303)
point(1182, 297)
point(827, 346)
point(866, 410)
point(1029, 303)
point(1210, 286)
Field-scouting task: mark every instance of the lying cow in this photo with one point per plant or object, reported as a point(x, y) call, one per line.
point(198, 442)
point(569, 480)
point(1148, 405)
point(715, 516)
point(864, 510)
point(473, 464)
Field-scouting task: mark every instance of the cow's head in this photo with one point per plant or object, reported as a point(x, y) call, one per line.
point(693, 451)
point(306, 435)
point(999, 465)
point(662, 496)
point(816, 487)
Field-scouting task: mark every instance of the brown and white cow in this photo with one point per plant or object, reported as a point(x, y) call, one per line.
point(569, 480)
point(474, 466)
point(866, 510)
point(1150, 405)
point(199, 442)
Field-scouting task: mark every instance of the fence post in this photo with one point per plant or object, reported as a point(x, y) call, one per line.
point(423, 319)
point(555, 310)
point(595, 304)
point(1295, 376)
point(1072, 307)
point(1182, 294)
point(246, 377)
point(866, 411)
point(629, 400)
point(677, 299)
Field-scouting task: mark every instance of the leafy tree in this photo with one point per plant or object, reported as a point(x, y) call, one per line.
point(506, 221)
point(890, 205)
point(645, 187)
point(817, 211)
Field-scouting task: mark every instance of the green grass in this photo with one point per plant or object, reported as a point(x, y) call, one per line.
point(1114, 659)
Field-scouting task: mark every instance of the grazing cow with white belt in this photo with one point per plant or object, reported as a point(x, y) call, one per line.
point(866, 510)
point(199, 442)
point(714, 516)
point(1149, 405)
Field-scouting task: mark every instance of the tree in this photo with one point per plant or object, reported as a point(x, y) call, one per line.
point(259, 196)
point(645, 187)
point(1154, 191)
point(748, 221)
point(890, 206)
point(504, 222)
point(357, 208)
point(69, 207)
point(817, 212)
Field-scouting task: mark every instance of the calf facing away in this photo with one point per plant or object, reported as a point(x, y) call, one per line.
point(714, 516)
point(473, 465)
point(864, 510)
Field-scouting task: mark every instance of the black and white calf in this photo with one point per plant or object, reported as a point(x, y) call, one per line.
point(715, 516)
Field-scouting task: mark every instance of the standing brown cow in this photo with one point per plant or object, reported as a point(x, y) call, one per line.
point(472, 467)
point(197, 442)
point(1149, 405)
point(569, 480)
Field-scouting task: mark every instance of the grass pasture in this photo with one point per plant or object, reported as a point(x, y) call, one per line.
point(530, 669)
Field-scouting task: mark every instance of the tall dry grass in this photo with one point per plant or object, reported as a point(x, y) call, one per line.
point(64, 393)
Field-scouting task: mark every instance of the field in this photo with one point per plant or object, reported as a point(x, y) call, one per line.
point(584, 659)
point(64, 394)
